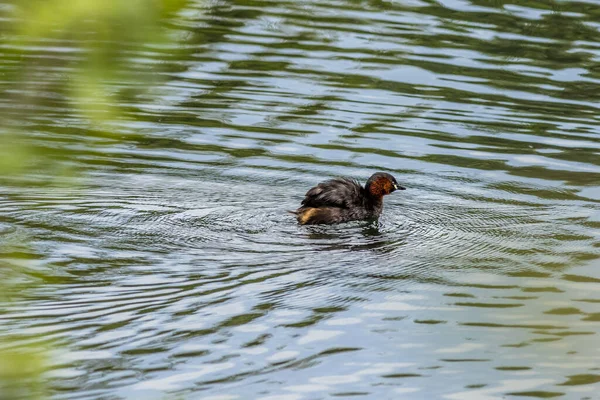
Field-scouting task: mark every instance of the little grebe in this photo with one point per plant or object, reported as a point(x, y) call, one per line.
point(343, 199)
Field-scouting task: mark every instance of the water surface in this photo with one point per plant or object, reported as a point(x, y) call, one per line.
point(172, 268)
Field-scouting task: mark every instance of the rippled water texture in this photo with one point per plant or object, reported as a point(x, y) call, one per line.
point(173, 268)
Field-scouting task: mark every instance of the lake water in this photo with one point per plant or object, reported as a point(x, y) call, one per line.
point(171, 268)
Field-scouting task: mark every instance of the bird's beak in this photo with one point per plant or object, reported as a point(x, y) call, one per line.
point(398, 187)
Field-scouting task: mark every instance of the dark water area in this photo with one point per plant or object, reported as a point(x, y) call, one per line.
point(171, 267)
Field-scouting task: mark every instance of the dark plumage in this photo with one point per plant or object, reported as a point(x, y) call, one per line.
point(343, 199)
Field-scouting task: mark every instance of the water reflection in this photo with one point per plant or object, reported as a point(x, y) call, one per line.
point(175, 268)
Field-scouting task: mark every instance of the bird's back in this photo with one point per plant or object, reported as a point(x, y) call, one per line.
point(339, 192)
point(334, 201)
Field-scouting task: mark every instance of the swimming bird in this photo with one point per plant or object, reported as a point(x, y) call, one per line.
point(343, 199)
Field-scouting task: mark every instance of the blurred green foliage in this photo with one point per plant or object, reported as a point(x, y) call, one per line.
point(21, 374)
point(68, 54)
point(72, 53)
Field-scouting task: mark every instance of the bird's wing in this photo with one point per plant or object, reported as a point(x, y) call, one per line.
point(339, 192)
